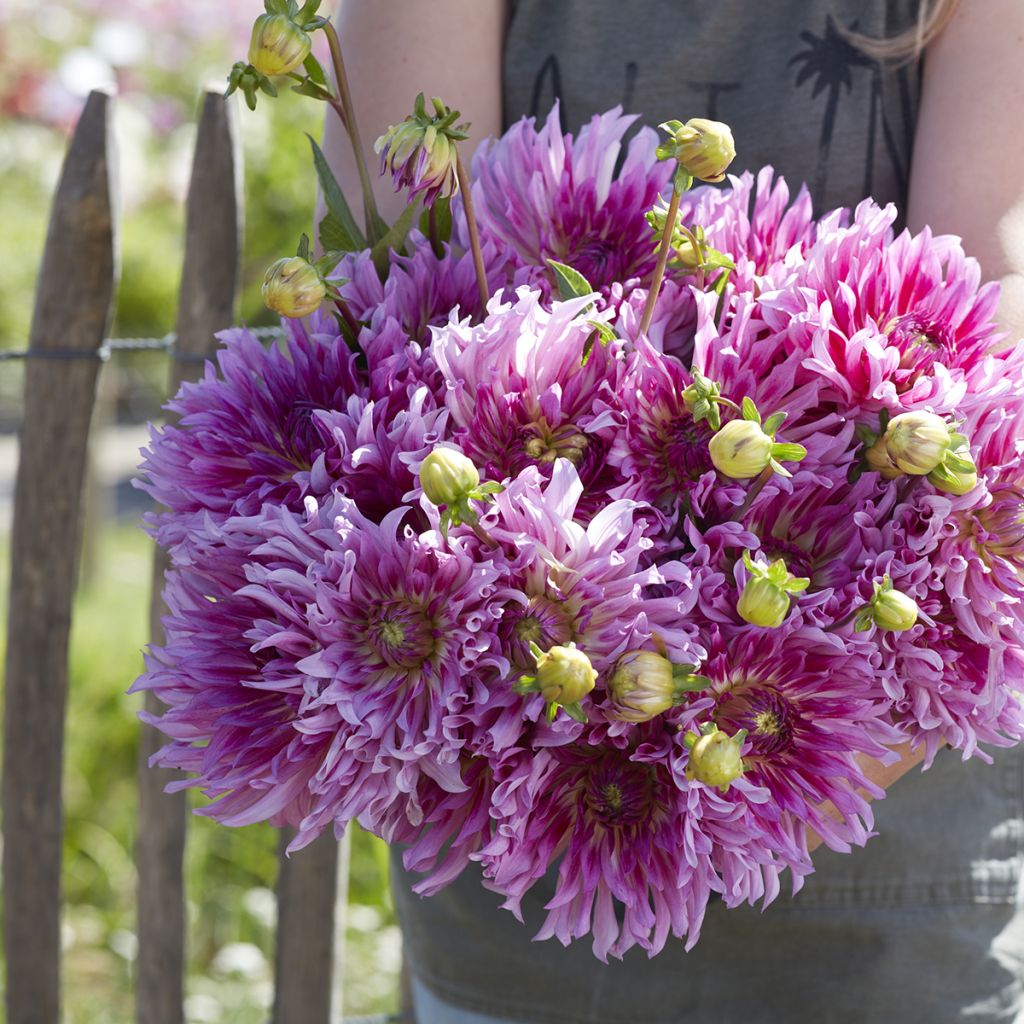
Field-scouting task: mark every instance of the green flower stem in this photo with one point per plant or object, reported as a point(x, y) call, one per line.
point(663, 254)
point(434, 232)
point(482, 534)
point(727, 402)
point(346, 111)
point(474, 234)
point(844, 621)
point(755, 489)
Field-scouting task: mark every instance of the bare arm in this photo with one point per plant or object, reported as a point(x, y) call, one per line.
point(967, 175)
point(396, 48)
point(968, 169)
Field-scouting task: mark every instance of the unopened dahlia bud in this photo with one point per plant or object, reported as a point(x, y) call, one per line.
point(703, 148)
point(293, 287)
point(447, 476)
point(715, 758)
point(419, 153)
point(641, 686)
point(565, 675)
point(888, 609)
point(741, 449)
point(917, 441)
point(893, 610)
point(278, 46)
point(766, 594)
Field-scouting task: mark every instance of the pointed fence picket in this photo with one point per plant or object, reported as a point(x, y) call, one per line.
point(63, 360)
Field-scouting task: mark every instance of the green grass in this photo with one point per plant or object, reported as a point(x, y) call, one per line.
point(230, 872)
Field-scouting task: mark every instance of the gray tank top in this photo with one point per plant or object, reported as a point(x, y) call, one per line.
point(921, 927)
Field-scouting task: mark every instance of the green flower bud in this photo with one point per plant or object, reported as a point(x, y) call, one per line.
point(703, 148)
point(293, 287)
point(893, 610)
point(715, 758)
point(879, 459)
point(766, 594)
point(741, 449)
point(278, 45)
point(642, 686)
point(955, 478)
point(564, 675)
point(917, 441)
point(447, 476)
point(763, 604)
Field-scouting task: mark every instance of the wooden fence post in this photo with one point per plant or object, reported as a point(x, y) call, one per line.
point(206, 304)
point(72, 312)
point(312, 887)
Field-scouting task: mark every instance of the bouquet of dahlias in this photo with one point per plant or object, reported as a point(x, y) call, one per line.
point(601, 524)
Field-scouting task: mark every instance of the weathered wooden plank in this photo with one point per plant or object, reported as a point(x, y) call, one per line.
point(311, 894)
point(209, 288)
point(72, 311)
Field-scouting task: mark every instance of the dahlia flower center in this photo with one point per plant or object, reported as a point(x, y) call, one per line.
point(919, 340)
point(401, 635)
point(797, 560)
point(1000, 526)
point(300, 433)
point(768, 717)
point(544, 621)
point(619, 792)
point(687, 456)
point(544, 444)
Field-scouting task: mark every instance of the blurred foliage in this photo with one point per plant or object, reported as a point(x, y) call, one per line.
point(230, 873)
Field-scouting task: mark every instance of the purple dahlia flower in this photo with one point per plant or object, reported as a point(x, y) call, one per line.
point(550, 196)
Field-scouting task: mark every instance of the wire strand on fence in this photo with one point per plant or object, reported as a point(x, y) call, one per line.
point(112, 345)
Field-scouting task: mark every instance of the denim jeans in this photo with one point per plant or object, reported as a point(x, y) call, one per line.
point(923, 926)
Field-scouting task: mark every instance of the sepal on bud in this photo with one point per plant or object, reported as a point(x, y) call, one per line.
point(715, 757)
point(700, 398)
point(564, 677)
point(957, 473)
point(766, 595)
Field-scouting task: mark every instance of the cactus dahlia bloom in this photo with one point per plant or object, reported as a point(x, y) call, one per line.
point(352, 642)
point(807, 711)
point(550, 196)
point(519, 396)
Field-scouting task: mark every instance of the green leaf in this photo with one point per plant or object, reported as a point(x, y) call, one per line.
point(311, 89)
point(772, 424)
point(603, 333)
point(749, 410)
point(315, 70)
point(333, 236)
point(335, 198)
point(571, 283)
point(393, 238)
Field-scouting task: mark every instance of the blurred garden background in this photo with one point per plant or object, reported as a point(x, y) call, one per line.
point(158, 54)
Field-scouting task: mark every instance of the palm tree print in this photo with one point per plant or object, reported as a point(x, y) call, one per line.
point(828, 61)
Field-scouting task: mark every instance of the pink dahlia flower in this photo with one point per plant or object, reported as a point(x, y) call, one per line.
point(520, 396)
